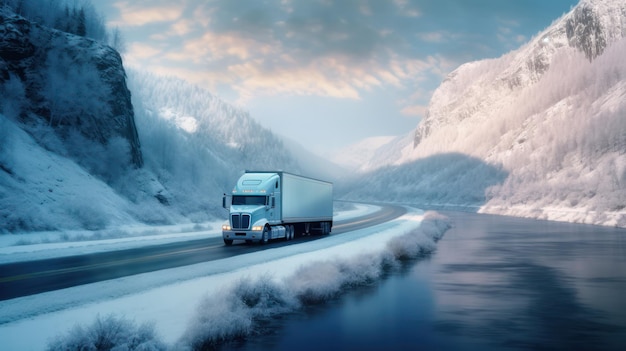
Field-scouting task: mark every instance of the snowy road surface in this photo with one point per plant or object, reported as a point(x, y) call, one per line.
point(19, 279)
point(169, 297)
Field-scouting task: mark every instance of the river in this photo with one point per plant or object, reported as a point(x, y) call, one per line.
point(494, 283)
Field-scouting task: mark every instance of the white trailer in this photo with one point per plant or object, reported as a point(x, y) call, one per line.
point(271, 205)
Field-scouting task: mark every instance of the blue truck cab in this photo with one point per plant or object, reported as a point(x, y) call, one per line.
point(273, 205)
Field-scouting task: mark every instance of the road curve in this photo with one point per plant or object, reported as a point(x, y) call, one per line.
point(34, 277)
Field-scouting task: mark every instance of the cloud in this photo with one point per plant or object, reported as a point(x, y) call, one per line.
point(290, 81)
point(432, 37)
point(315, 28)
point(414, 110)
point(138, 14)
point(337, 49)
point(407, 9)
point(140, 51)
point(340, 49)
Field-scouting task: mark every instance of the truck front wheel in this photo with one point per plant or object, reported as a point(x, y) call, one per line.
point(228, 242)
point(265, 236)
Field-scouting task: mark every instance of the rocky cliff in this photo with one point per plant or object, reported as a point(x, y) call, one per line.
point(74, 85)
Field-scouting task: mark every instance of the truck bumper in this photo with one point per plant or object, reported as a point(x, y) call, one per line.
point(242, 234)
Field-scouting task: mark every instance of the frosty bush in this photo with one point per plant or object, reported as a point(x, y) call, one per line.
point(316, 283)
point(246, 303)
point(88, 212)
point(108, 333)
point(13, 97)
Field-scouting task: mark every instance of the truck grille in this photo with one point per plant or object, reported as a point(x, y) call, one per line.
point(239, 221)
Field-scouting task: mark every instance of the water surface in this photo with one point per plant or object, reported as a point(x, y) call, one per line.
point(494, 283)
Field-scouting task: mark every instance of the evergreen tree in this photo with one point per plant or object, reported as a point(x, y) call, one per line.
point(81, 28)
point(67, 27)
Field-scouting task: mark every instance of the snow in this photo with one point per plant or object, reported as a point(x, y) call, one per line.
point(49, 190)
point(187, 123)
point(170, 298)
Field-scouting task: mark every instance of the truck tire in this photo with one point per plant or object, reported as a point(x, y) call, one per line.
point(290, 231)
point(286, 233)
point(228, 242)
point(325, 228)
point(265, 236)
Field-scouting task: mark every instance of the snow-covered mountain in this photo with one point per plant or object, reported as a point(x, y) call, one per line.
point(551, 115)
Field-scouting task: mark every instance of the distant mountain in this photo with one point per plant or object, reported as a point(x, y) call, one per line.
point(549, 114)
point(357, 156)
point(312, 164)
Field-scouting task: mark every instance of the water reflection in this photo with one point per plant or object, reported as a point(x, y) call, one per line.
point(525, 284)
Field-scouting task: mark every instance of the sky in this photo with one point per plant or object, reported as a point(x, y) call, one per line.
point(324, 73)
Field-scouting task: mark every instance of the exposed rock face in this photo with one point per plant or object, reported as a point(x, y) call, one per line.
point(585, 32)
point(70, 82)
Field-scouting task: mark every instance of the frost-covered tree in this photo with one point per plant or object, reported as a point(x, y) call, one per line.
point(117, 41)
point(13, 96)
point(81, 25)
point(71, 16)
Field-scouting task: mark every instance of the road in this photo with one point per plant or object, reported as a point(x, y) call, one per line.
point(34, 277)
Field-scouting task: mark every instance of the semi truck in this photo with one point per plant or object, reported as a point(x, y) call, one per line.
point(267, 205)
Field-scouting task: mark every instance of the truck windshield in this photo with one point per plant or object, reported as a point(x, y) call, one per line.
point(249, 200)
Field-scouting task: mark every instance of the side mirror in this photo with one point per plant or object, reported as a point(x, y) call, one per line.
point(224, 201)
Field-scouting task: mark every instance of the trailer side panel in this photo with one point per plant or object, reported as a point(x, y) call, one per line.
point(306, 199)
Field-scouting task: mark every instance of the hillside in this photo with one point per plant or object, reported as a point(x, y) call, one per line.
point(67, 126)
point(79, 151)
point(549, 114)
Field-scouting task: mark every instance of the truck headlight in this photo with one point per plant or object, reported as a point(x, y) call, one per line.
point(257, 227)
point(226, 227)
